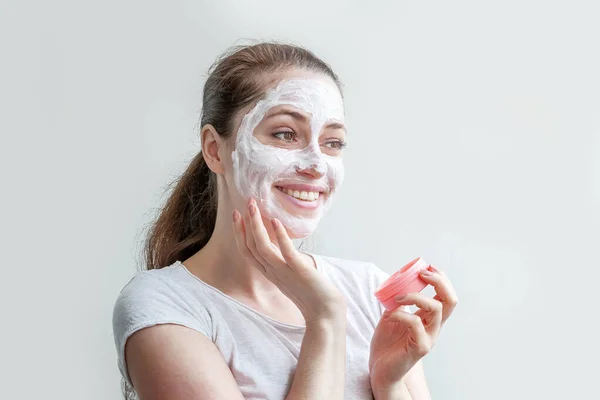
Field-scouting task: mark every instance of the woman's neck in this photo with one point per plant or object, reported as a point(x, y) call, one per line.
point(220, 264)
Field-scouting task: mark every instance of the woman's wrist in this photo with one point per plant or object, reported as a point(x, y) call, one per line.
point(335, 323)
point(330, 313)
point(394, 391)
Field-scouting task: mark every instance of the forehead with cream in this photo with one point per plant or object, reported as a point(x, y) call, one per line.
point(316, 97)
point(258, 166)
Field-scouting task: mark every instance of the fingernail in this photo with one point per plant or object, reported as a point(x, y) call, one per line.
point(275, 223)
point(252, 209)
point(250, 201)
point(398, 298)
point(236, 215)
point(433, 268)
point(426, 272)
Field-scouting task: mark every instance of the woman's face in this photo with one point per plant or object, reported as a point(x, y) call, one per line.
point(288, 150)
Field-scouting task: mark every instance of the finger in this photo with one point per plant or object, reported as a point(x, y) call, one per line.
point(444, 290)
point(388, 313)
point(419, 340)
point(286, 246)
point(430, 311)
point(267, 250)
point(420, 300)
point(250, 243)
point(239, 234)
point(436, 269)
point(401, 314)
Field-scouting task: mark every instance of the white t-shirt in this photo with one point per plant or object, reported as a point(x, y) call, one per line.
point(261, 353)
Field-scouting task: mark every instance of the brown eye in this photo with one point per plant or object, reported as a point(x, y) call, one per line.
point(286, 136)
point(335, 144)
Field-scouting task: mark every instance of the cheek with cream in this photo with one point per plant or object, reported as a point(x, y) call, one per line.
point(270, 174)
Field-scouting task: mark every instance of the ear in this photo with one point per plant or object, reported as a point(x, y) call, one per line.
point(211, 144)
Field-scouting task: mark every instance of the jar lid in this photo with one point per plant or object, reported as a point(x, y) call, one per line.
point(401, 278)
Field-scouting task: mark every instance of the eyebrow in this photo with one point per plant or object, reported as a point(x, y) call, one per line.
point(291, 113)
point(298, 116)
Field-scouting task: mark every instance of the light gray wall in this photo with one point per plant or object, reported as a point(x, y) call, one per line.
point(474, 142)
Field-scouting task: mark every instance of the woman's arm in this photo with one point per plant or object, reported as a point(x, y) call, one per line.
point(398, 391)
point(412, 387)
point(416, 382)
point(321, 367)
point(172, 362)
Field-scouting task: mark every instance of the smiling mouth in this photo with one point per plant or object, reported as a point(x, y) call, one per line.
point(307, 196)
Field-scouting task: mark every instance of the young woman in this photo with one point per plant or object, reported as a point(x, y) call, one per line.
point(229, 308)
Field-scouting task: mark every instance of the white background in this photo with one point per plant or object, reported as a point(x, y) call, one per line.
point(474, 142)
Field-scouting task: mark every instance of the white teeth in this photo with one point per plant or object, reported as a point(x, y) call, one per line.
point(302, 195)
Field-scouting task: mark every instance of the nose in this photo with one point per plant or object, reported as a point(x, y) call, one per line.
point(310, 173)
point(312, 166)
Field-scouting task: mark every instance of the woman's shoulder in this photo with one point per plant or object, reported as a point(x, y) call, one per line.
point(152, 284)
point(159, 296)
point(155, 297)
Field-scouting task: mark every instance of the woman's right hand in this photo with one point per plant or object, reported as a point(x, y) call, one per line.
point(291, 271)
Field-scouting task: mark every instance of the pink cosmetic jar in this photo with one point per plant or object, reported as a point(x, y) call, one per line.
point(406, 280)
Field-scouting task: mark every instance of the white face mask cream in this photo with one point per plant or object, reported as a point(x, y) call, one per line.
point(258, 167)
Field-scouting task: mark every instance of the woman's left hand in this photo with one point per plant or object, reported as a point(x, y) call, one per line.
point(401, 338)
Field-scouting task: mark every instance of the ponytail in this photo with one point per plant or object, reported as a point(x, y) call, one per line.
point(187, 219)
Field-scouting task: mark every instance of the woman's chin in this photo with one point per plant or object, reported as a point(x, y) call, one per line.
point(299, 232)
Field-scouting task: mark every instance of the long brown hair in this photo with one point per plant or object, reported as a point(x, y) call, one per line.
point(236, 80)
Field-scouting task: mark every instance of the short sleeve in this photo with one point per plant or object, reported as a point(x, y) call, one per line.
point(147, 301)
